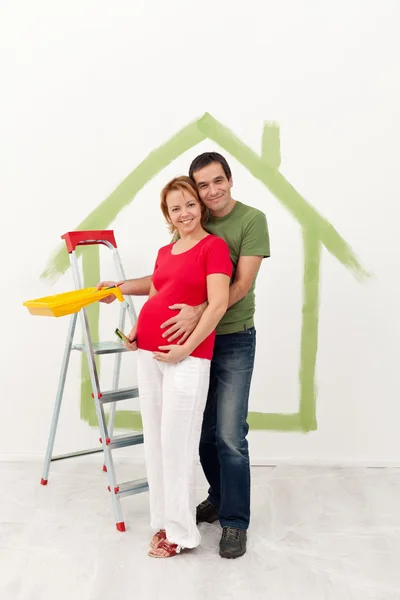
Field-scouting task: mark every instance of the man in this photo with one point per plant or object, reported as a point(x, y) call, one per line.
point(224, 452)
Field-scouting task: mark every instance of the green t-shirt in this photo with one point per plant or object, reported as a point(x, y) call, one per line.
point(245, 230)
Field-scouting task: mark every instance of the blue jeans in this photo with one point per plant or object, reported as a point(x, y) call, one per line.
point(224, 453)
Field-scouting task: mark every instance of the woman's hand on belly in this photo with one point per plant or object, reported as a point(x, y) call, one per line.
point(171, 354)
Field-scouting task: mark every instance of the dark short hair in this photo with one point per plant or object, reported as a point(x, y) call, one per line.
point(205, 159)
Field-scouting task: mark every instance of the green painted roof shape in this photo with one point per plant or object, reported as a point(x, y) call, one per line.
point(264, 168)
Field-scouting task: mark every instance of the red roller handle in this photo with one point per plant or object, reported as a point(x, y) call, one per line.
point(87, 238)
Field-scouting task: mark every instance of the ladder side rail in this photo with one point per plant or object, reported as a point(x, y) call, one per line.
point(117, 370)
point(121, 274)
point(59, 397)
point(129, 307)
point(109, 463)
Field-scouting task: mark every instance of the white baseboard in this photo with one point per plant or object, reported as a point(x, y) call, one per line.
point(255, 462)
point(328, 462)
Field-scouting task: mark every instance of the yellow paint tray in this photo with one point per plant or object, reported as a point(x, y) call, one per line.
point(67, 303)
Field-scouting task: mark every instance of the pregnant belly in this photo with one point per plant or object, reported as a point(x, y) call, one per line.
point(151, 317)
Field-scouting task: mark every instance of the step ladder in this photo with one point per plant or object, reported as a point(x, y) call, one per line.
point(108, 441)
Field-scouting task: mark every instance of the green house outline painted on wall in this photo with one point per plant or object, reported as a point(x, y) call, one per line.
point(317, 232)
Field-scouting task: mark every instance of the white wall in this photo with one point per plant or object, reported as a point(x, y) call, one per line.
point(89, 88)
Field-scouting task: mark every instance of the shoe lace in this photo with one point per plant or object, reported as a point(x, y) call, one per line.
point(231, 533)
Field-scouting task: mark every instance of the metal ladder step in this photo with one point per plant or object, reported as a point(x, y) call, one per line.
point(121, 394)
point(129, 488)
point(123, 441)
point(102, 347)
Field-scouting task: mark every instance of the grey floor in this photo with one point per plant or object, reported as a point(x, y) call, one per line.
point(316, 533)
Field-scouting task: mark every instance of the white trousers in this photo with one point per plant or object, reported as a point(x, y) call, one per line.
point(172, 401)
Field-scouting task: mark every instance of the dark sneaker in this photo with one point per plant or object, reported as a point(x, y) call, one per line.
point(233, 542)
point(206, 512)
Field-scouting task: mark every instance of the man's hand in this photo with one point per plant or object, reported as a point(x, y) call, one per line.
point(184, 323)
point(131, 336)
point(103, 284)
point(171, 354)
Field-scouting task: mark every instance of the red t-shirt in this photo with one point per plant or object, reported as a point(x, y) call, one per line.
point(181, 279)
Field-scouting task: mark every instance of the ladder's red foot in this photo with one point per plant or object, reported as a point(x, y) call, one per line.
point(121, 526)
point(43, 481)
point(105, 468)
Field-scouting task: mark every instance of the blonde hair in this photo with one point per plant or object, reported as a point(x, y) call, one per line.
point(180, 184)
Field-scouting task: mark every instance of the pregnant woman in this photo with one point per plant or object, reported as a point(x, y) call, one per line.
point(173, 379)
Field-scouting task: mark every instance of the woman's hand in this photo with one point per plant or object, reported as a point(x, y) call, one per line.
point(171, 354)
point(132, 336)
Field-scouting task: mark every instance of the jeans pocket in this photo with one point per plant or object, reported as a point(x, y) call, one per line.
point(246, 332)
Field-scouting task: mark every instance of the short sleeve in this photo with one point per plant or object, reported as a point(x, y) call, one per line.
point(218, 259)
point(156, 275)
point(155, 265)
point(256, 237)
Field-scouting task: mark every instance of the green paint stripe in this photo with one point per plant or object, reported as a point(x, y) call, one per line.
point(271, 145)
point(127, 419)
point(102, 216)
point(91, 275)
point(274, 421)
point(309, 331)
point(303, 212)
